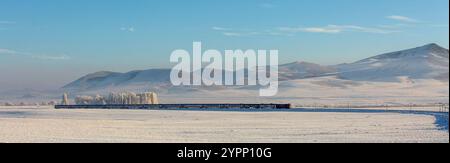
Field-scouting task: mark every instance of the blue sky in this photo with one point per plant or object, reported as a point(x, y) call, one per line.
point(52, 42)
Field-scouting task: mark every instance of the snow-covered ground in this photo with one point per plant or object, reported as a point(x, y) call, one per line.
point(329, 91)
point(49, 125)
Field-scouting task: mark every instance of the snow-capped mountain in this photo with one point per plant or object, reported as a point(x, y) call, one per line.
point(113, 79)
point(426, 62)
point(302, 70)
point(106, 79)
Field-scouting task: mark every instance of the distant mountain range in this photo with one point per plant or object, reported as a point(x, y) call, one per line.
point(426, 62)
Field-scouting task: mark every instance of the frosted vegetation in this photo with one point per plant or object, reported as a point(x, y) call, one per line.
point(120, 98)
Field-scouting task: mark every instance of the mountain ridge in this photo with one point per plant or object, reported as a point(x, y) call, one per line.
point(425, 62)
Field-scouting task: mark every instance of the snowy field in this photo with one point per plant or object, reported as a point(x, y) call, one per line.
point(327, 91)
point(49, 125)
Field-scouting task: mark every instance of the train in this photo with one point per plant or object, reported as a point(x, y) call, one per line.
point(177, 106)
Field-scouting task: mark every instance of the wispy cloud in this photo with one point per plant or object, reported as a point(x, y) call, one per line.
point(334, 29)
point(291, 31)
point(31, 55)
point(280, 34)
point(7, 22)
point(48, 57)
point(394, 26)
point(233, 34)
point(309, 29)
point(404, 22)
point(243, 33)
point(221, 29)
point(357, 28)
point(128, 29)
point(402, 19)
point(8, 52)
point(230, 32)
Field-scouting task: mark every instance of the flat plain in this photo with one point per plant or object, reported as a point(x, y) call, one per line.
point(44, 124)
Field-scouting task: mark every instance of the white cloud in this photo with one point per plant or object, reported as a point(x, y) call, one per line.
point(245, 33)
point(402, 18)
point(291, 31)
point(361, 29)
point(221, 29)
point(333, 29)
point(8, 52)
point(232, 34)
point(235, 33)
point(41, 57)
point(310, 30)
point(7, 22)
point(48, 57)
point(3, 25)
point(321, 30)
point(128, 29)
point(394, 26)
